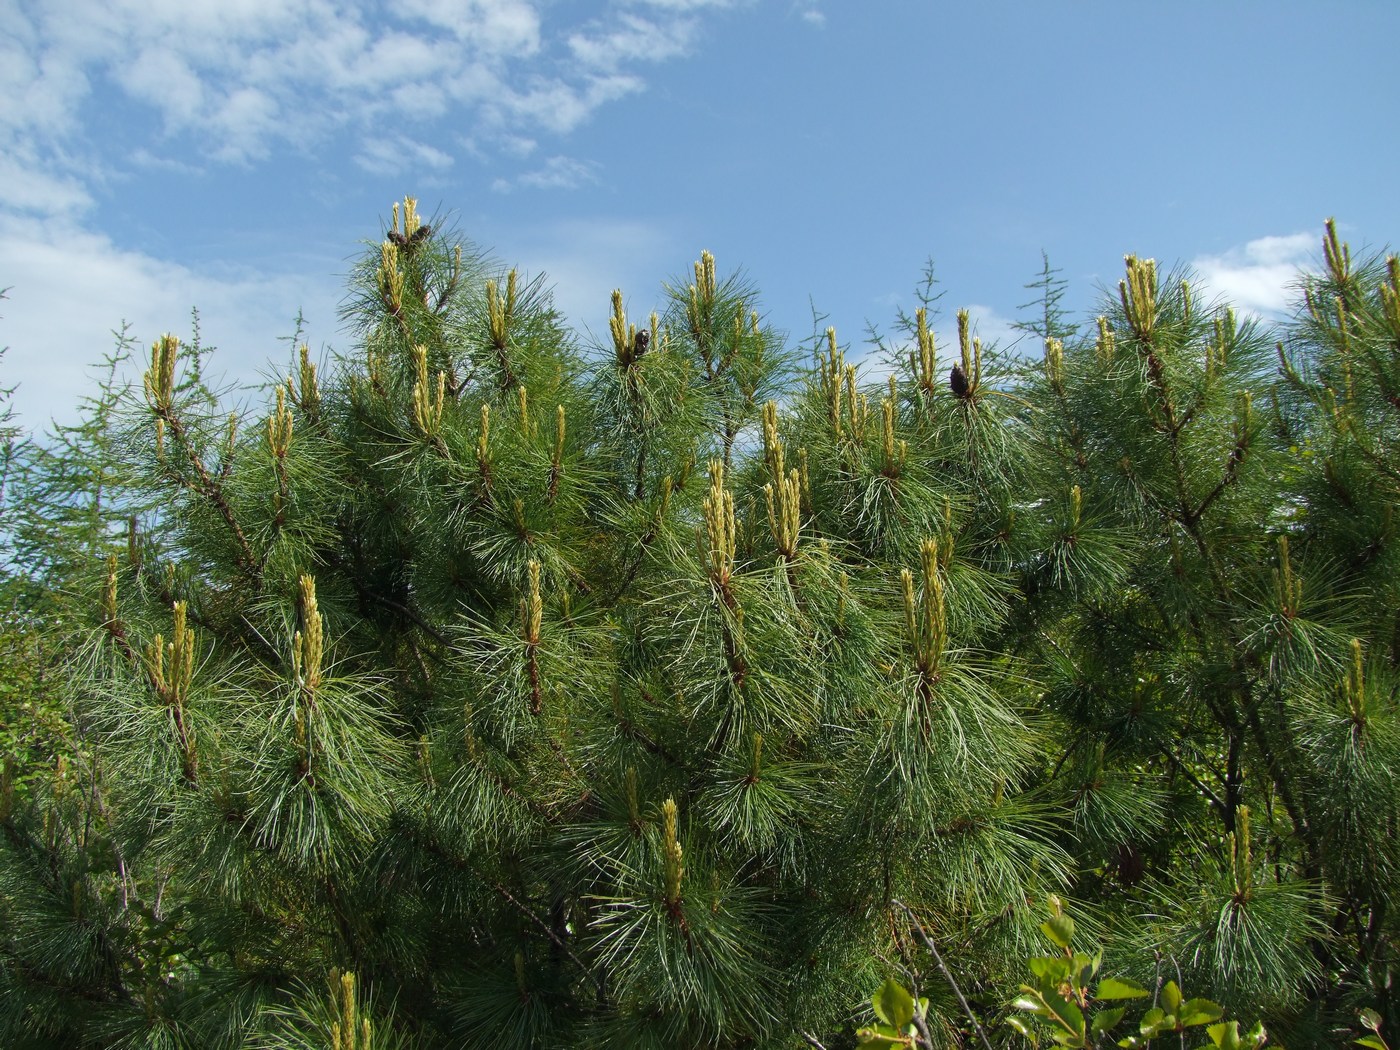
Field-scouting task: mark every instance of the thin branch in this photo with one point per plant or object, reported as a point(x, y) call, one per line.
point(947, 974)
point(549, 932)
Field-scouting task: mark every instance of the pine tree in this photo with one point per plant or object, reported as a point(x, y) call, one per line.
point(488, 688)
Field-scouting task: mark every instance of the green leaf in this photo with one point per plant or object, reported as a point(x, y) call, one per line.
point(1106, 1019)
point(1153, 1022)
point(1171, 997)
point(1082, 968)
point(893, 1004)
point(1225, 1035)
point(1371, 1041)
point(1029, 1000)
point(1118, 988)
point(1370, 1019)
point(1060, 930)
point(1052, 968)
point(880, 1037)
point(1199, 1011)
point(1069, 1016)
point(1022, 1028)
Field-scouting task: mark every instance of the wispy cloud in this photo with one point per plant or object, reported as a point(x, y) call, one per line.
point(241, 78)
point(558, 173)
point(630, 40)
point(398, 153)
point(810, 12)
point(51, 267)
point(1259, 276)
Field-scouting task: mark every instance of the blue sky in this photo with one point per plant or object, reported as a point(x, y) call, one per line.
point(157, 155)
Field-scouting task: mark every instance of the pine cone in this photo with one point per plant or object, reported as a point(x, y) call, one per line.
point(957, 382)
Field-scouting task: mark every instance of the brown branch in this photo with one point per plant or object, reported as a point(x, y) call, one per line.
point(947, 974)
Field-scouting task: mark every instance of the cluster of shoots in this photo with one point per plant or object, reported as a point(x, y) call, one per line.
point(925, 615)
point(1354, 688)
point(718, 507)
point(170, 669)
point(307, 643)
point(895, 452)
point(500, 311)
point(279, 442)
point(1337, 255)
point(1138, 293)
point(411, 222)
point(1221, 341)
point(556, 463)
point(923, 358)
point(700, 306)
point(671, 856)
point(1076, 508)
point(784, 492)
point(1390, 299)
point(966, 377)
point(1055, 366)
point(159, 383)
point(756, 765)
point(532, 607)
point(307, 655)
point(1241, 859)
point(1288, 589)
point(1105, 344)
point(390, 277)
point(483, 444)
point(109, 595)
point(349, 1031)
point(531, 619)
point(634, 808)
point(171, 664)
point(427, 399)
point(629, 344)
point(1243, 425)
point(159, 380)
point(847, 408)
point(304, 388)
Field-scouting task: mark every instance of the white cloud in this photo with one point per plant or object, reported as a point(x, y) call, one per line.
point(30, 184)
point(558, 173)
point(243, 76)
point(628, 40)
point(585, 259)
point(69, 289)
point(1259, 276)
point(397, 153)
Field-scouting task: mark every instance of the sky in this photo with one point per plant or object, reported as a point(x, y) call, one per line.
point(158, 156)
